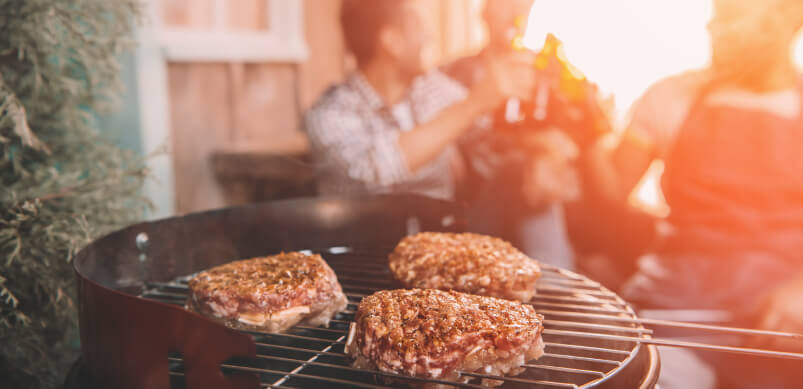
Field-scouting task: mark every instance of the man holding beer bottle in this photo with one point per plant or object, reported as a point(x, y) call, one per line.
point(391, 126)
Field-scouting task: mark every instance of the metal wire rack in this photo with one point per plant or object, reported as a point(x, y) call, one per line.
point(591, 334)
point(579, 313)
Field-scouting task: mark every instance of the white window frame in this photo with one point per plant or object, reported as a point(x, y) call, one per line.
point(282, 42)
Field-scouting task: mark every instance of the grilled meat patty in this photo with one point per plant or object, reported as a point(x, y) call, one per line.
point(467, 262)
point(436, 334)
point(269, 293)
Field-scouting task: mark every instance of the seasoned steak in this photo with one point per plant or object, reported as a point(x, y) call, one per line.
point(470, 263)
point(269, 293)
point(436, 334)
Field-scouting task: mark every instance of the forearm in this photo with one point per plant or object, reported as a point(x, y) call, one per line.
point(426, 142)
point(507, 76)
point(617, 166)
point(604, 175)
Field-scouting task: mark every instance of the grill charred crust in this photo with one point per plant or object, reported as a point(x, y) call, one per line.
point(436, 334)
point(465, 262)
point(272, 293)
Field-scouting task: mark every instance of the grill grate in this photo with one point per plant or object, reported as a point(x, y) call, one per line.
point(589, 333)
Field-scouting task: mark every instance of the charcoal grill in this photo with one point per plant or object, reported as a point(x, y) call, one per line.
point(135, 332)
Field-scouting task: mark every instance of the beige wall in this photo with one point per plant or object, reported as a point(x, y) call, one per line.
point(256, 107)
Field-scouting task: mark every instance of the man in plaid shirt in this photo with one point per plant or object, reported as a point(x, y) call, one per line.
point(392, 125)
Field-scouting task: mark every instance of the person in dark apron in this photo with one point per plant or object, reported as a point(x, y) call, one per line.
point(731, 137)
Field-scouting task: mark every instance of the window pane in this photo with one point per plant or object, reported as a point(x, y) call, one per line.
point(249, 15)
point(188, 13)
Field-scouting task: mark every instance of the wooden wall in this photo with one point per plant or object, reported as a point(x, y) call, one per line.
point(256, 107)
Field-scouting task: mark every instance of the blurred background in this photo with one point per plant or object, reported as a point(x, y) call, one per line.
point(216, 88)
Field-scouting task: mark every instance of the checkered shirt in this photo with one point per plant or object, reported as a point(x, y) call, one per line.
point(354, 135)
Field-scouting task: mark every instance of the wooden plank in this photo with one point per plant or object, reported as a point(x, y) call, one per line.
point(326, 63)
point(200, 122)
point(264, 101)
point(461, 27)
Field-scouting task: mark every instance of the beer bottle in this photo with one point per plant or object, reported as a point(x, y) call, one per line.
point(552, 60)
point(563, 97)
